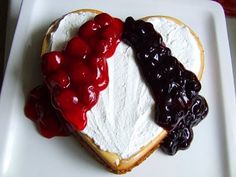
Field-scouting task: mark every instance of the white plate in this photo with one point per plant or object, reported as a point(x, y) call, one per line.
point(24, 153)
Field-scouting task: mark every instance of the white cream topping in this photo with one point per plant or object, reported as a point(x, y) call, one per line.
point(122, 121)
point(179, 39)
point(68, 27)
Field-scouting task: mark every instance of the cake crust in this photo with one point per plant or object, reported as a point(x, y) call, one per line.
point(112, 161)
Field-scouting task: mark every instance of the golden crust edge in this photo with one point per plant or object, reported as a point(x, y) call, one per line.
point(109, 159)
point(114, 162)
point(53, 26)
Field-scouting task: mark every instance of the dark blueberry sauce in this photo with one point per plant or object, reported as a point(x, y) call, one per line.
point(175, 90)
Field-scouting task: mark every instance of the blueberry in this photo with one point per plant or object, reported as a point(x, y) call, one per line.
point(179, 107)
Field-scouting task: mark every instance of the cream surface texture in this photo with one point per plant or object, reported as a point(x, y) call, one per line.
point(181, 41)
point(122, 121)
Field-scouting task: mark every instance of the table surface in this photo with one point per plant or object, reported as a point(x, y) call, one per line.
point(14, 9)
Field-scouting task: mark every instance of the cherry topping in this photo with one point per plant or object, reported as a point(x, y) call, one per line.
point(110, 33)
point(81, 73)
point(76, 117)
point(58, 79)
point(89, 95)
point(100, 67)
point(39, 110)
point(89, 29)
point(118, 26)
point(103, 19)
point(52, 61)
point(103, 47)
point(66, 99)
point(74, 77)
point(77, 48)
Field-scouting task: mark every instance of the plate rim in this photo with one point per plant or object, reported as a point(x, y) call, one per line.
point(225, 67)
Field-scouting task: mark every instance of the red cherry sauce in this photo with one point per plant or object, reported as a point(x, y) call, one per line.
point(74, 77)
point(179, 107)
point(38, 108)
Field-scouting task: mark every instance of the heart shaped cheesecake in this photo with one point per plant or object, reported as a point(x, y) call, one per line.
point(118, 86)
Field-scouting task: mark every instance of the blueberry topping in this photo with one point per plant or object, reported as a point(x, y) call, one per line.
point(175, 90)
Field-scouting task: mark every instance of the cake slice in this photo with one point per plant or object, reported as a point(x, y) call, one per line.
point(121, 132)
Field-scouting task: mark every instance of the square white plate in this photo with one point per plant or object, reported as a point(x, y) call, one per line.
point(24, 153)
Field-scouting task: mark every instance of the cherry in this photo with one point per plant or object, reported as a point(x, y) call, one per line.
point(38, 108)
point(52, 61)
point(103, 19)
point(74, 77)
point(81, 73)
point(49, 126)
point(118, 25)
point(93, 42)
point(89, 29)
point(33, 100)
point(109, 33)
point(38, 92)
point(77, 47)
point(66, 99)
point(58, 79)
point(30, 111)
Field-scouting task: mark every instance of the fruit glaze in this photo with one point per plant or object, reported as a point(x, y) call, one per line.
point(74, 77)
point(179, 107)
